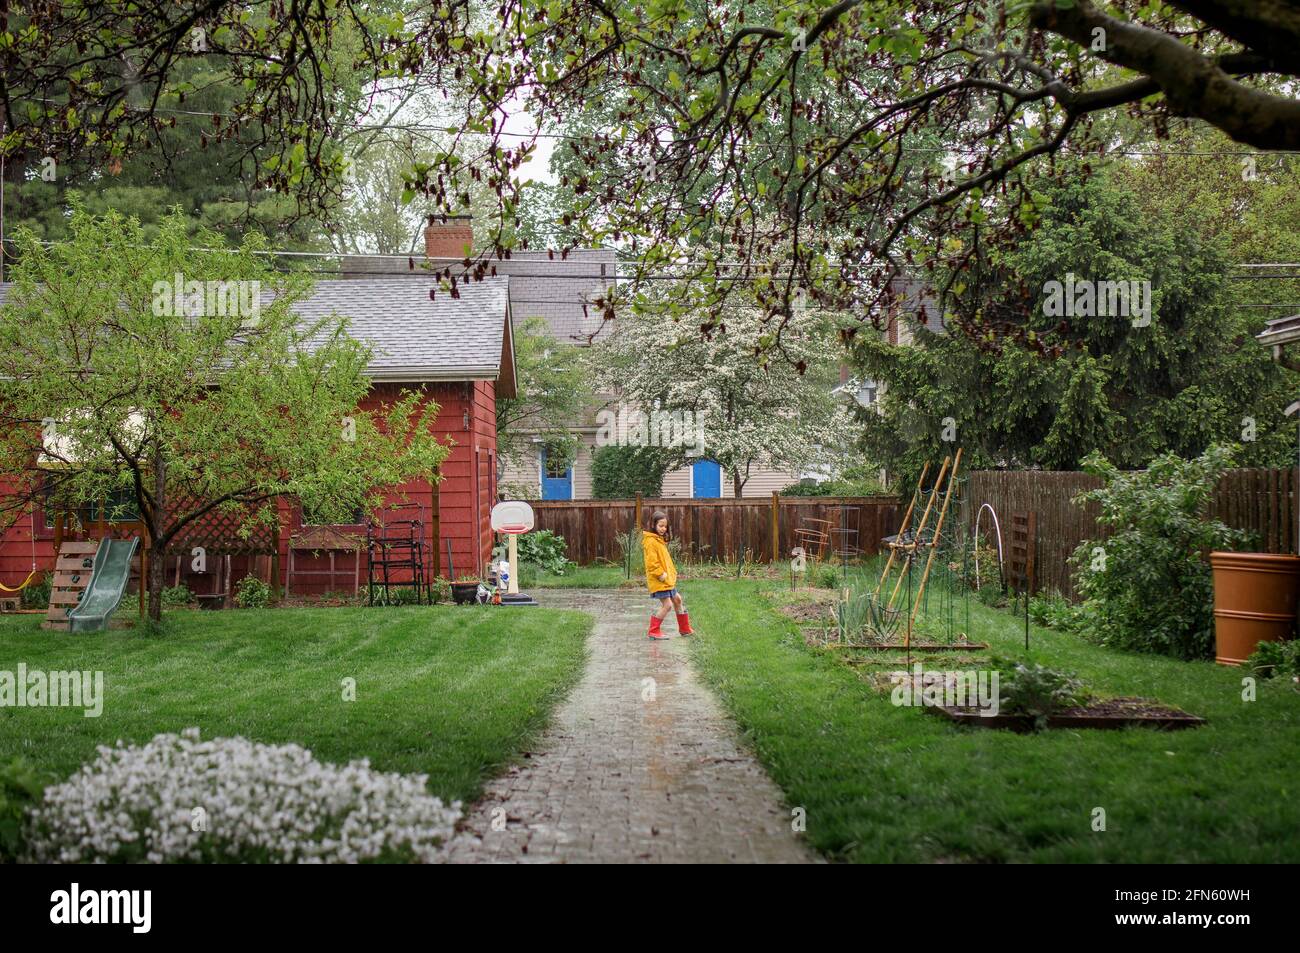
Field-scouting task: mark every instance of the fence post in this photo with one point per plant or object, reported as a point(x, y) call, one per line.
point(776, 529)
point(638, 511)
point(275, 560)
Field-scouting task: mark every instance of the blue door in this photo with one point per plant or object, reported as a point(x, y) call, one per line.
point(557, 484)
point(706, 480)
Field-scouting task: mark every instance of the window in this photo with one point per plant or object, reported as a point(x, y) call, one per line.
point(557, 465)
point(120, 507)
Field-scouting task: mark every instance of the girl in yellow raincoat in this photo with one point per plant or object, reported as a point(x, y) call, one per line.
point(661, 577)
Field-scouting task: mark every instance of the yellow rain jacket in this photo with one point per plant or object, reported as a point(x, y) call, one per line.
point(657, 563)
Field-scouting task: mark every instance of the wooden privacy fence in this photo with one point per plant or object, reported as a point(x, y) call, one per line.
point(762, 528)
point(1261, 501)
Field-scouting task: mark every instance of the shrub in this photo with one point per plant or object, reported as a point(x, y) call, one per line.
point(510, 490)
point(1277, 660)
point(855, 481)
point(439, 590)
point(1037, 690)
point(252, 593)
point(37, 594)
point(545, 550)
point(178, 799)
point(20, 790)
point(631, 555)
point(677, 552)
point(824, 576)
point(1053, 611)
point(990, 571)
point(177, 597)
point(620, 472)
point(398, 595)
point(1148, 587)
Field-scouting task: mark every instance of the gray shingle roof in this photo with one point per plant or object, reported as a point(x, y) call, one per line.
point(555, 289)
point(413, 338)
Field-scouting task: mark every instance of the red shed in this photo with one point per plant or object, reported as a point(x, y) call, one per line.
point(459, 351)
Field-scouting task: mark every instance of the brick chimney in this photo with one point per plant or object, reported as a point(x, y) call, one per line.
point(449, 236)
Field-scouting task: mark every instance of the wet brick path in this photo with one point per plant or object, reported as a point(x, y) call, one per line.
point(632, 769)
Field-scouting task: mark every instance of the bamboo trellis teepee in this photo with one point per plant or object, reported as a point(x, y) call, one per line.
point(907, 547)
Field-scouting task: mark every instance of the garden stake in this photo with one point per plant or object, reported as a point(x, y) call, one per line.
point(938, 530)
point(1024, 587)
point(907, 637)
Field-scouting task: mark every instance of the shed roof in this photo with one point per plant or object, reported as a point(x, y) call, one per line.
point(560, 289)
point(415, 339)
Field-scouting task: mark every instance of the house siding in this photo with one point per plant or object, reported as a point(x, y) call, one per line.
point(458, 512)
point(676, 483)
point(761, 482)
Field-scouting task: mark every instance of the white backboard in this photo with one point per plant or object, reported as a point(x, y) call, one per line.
point(512, 516)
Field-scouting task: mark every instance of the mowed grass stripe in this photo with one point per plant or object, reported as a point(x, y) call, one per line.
point(452, 692)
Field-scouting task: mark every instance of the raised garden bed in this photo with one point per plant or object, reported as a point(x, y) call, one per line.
point(1103, 713)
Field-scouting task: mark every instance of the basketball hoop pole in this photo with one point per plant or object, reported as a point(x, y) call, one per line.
point(513, 548)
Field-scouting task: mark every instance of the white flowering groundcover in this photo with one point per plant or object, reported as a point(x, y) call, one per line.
point(179, 799)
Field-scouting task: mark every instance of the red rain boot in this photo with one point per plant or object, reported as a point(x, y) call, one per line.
point(684, 624)
point(655, 623)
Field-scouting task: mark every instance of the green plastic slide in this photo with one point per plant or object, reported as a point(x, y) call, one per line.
point(108, 579)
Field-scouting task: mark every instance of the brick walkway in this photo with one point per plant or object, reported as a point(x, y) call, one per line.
point(632, 769)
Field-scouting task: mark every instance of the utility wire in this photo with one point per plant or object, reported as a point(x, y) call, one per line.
point(462, 130)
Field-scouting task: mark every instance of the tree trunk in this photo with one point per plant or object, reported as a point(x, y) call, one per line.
point(157, 541)
point(157, 578)
point(737, 484)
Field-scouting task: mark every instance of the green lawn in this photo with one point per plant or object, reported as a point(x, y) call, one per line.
point(578, 577)
point(881, 783)
point(449, 691)
point(605, 576)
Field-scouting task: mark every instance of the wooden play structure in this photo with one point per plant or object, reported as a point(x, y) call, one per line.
point(72, 567)
point(92, 574)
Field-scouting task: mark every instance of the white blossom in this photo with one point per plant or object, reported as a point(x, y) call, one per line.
point(761, 404)
point(260, 804)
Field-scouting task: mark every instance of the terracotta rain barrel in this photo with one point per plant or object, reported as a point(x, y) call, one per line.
point(1254, 601)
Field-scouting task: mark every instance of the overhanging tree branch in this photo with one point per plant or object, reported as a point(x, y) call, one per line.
point(1194, 84)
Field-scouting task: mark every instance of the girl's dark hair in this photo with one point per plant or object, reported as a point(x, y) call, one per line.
point(655, 517)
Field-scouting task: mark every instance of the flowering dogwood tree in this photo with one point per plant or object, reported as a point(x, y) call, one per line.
point(778, 412)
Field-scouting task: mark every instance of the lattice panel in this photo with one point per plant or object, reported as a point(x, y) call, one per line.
point(219, 532)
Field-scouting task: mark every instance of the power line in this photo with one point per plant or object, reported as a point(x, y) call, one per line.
point(463, 130)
